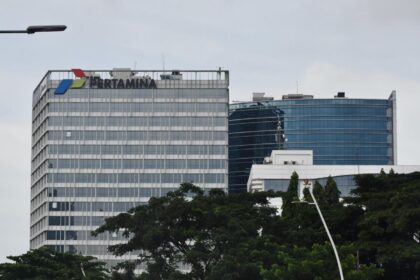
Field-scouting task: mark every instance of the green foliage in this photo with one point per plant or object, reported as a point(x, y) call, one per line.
point(45, 264)
point(292, 191)
point(124, 271)
point(317, 262)
point(201, 232)
point(390, 222)
point(238, 236)
point(331, 192)
point(291, 196)
point(318, 192)
point(190, 235)
point(382, 173)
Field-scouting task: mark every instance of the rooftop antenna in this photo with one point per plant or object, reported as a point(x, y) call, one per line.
point(135, 65)
point(163, 62)
point(297, 87)
point(219, 73)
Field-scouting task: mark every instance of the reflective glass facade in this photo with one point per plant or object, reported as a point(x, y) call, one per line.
point(97, 152)
point(339, 131)
point(345, 184)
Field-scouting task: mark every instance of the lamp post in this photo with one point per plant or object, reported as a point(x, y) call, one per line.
point(307, 185)
point(37, 28)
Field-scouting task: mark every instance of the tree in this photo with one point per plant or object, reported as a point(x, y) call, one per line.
point(203, 233)
point(191, 235)
point(317, 262)
point(45, 264)
point(390, 222)
point(318, 192)
point(292, 193)
point(124, 271)
point(331, 192)
point(291, 196)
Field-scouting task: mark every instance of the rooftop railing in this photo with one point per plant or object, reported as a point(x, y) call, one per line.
point(164, 78)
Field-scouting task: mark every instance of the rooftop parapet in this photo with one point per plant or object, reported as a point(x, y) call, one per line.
point(161, 78)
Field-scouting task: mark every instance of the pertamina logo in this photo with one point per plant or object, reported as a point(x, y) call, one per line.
point(145, 82)
point(70, 83)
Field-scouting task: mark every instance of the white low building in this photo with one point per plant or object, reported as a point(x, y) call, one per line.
point(276, 171)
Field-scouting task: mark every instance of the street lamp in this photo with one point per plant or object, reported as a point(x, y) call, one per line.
point(307, 185)
point(38, 28)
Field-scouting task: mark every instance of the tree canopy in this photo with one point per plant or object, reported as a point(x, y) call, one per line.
point(190, 231)
point(42, 264)
point(389, 228)
point(192, 235)
point(189, 234)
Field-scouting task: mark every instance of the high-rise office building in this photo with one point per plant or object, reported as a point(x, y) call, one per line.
point(106, 141)
point(339, 131)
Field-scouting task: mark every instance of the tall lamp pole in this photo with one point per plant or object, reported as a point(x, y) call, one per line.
point(307, 184)
point(37, 28)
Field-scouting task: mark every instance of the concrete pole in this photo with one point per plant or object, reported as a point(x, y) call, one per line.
point(328, 233)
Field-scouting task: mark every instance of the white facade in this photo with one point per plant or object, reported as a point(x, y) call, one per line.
point(101, 148)
point(262, 175)
point(290, 157)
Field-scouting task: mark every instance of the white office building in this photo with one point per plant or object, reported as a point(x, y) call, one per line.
point(104, 141)
point(277, 169)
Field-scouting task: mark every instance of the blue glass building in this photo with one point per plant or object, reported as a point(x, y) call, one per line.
point(339, 131)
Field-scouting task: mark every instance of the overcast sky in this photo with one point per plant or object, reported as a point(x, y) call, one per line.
point(366, 48)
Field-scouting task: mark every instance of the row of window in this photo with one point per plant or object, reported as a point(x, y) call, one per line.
point(87, 250)
point(138, 163)
point(356, 160)
point(124, 107)
point(137, 149)
point(344, 183)
point(336, 124)
point(275, 115)
point(308, 123)
point(215, 178)
point(317, 138)
point(81, 235)
point(137, 121)
point(144, 93)
point(276, 185)
point(95, 206)
point(138, 135)
point(352, 137)
point(131, 192)
point(323, 110)
point(352, 151)
point(322, 151)
point(315, 102)
point(76, 220)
